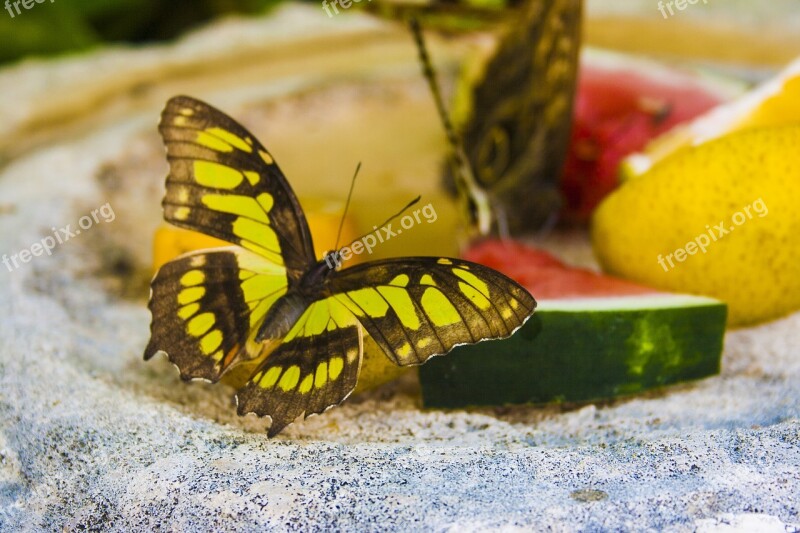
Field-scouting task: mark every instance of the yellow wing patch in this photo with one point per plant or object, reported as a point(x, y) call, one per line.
point(370, 301)
point(222, 140)
point(438, 308)
point(427, 280)
point(236, 205)
point(187, 296)
point(477, 297)
point(266, 157)
point(193, 277)
point(270, 378)
point(200, 324)
point(400, 301)
point(217, 175)
point(290, 378)
point(323, 315)
point(335, 366)
point(473, 280)
point(321, 375)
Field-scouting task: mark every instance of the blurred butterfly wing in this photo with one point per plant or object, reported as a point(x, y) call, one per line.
point(517, 136)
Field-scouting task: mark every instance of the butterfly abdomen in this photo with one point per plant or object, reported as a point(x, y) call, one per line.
point(282, 316)
point(287, 310)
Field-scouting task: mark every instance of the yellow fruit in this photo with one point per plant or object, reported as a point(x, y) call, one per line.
point(376, 369)
point(774, 103)
point(721, 219)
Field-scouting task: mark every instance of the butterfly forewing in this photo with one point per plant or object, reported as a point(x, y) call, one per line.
point(415, 308)
point(224, 183)
point(205, 307)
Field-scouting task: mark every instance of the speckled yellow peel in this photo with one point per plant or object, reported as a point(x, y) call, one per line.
point(742, 192)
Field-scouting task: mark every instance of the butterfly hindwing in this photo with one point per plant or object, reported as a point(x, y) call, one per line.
point(415, 308)
point(205, 307)
point(315, 367)
point(224, 183)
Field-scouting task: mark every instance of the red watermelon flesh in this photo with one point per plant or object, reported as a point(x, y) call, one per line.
point(618, 109)
point(546, 277)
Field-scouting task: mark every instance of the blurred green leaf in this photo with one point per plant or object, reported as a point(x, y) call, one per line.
point(68, 25)
point(44, 29)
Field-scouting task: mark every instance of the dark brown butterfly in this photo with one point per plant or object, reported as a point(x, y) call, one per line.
point(510, 152)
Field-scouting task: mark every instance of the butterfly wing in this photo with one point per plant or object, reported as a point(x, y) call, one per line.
point(414, 308)
point(224, 183)
point(315, 367)
point(206, 307)
point(517, 136)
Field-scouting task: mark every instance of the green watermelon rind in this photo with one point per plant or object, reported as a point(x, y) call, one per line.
point(584, 350)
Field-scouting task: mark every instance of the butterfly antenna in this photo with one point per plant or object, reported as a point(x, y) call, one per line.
point(347, 205)
point(408, 205)
point(433, 84)
point(469, 191)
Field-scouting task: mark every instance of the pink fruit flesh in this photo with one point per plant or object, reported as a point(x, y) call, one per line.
point(546, 277)
point(616, 113)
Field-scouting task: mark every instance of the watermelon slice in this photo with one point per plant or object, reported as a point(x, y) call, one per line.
point(620, 104)
point(592, 337)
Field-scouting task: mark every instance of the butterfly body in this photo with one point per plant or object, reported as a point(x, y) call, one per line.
point(288, 309)
point(267, 307)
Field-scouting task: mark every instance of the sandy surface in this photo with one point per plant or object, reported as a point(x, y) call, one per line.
point(92, 437)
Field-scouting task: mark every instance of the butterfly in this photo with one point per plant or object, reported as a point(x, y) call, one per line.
point(266, 307)
point(509, 154)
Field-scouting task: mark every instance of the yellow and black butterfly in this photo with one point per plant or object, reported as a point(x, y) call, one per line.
point(269, 306)
point(510, 152)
